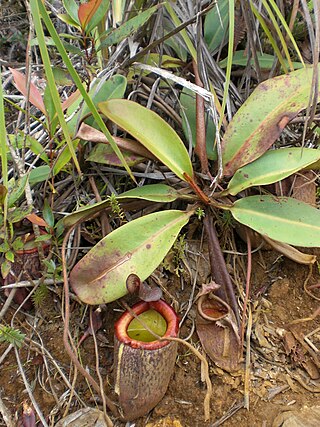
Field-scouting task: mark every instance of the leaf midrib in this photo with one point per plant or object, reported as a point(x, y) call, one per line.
point(272, 112)
point(130, 254)
point(273, 217)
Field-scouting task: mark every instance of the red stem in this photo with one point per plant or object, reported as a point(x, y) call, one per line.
point(218, 266)
point(197, 189)
point(200, 149)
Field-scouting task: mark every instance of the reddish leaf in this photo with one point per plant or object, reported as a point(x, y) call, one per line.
point(35, 219)
point(88, 133)
point(96, 323)
point(218, 332)
point(86, 12)
point(69, 101)
point(146, 293)
point(103, 153)
point(34, 96)
point(3, 194)
point(28, 416)
point(263, 116)
point(149, 293)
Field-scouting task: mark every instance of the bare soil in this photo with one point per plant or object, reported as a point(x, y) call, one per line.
point(280, 377)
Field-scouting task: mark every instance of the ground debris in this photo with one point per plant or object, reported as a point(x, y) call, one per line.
point(165, 422)
point(304, 417)
point(86, 417)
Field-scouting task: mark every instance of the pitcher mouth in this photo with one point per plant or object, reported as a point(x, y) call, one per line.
point(164, 309)
point(212, 309)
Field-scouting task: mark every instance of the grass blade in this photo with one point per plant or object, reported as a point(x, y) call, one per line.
point(74, 75)
point(286, 27)
point(229, 61)
point(270, 37)
point(34, 6)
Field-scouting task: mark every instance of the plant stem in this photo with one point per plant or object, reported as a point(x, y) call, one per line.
point(219, 270)
point(200, 149)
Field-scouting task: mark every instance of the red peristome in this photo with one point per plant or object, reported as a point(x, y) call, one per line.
point(161, 307)
point(45, 245)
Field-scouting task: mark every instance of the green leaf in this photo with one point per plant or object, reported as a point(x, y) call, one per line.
point(59, 228)
point(37, 148)
point(68, 20)
point(48, 41)
point(127, 28)
point(48, 102)
point(43, 238)
point(183, 34)
point(39, 174)
point(17, 244)
point(64, 157)
point(103, 153)
point(4, 247)
point(20, 140)
point(17, 190)
point(11, 336)
point(71, 48)
point(99, 15)
point(118, 11)
point(160, 193)
point(62, 77)
point(48, 214)
point(163, 61)
point(35, 6)
point(189, 123)
point(114, 87)
point(177, 47)
point(9, 256)
point(18, 214)
point(216, 25)
point(281, 218)
point(5, 270)
point(152, 132)
point(39, 8)
point(265, 60)
point(137, 247)
point(272, 167)
point(72, 9)
point(263, 116)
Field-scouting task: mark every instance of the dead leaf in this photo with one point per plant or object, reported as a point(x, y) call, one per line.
point(218, 332)
point(34, 96)
point(86, 417)
point(207, 288)
point(88, 133)
point(35, 219)
point(290, 252)
point(304, 417)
